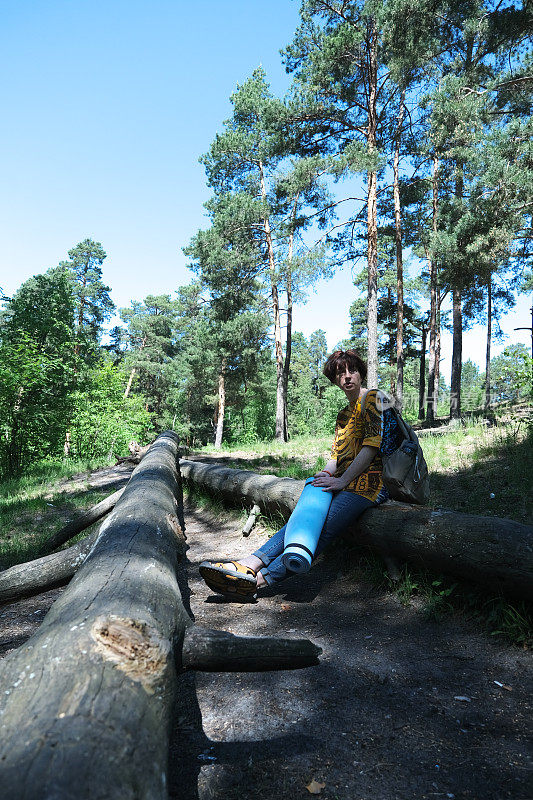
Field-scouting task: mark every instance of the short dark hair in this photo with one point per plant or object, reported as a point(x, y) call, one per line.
point(339, 360)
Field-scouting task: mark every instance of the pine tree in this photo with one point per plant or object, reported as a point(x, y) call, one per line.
point(151, 327)
point(246, 165)
point(93, 304)
point(225, 259)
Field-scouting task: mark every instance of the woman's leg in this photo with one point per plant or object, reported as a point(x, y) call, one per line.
point(345, 508)
point(258, 560)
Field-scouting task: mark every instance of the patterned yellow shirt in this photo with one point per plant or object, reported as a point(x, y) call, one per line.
point(352, 432)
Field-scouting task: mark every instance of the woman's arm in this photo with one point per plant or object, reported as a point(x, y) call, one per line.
point(360, 463)
point(330, 469)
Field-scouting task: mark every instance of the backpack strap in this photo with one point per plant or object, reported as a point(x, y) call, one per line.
point(363, 399)
point(406, 432)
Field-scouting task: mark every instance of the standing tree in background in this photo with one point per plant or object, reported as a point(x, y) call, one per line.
point(93, 304)
point(225, 258)
point(354, 64)
point(151, 333)
point(477, 207)
point(37, 370)
point(343, 91)
point(243, 159)
point(246, 160)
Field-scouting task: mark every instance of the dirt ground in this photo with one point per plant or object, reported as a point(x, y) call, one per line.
point(398, 709)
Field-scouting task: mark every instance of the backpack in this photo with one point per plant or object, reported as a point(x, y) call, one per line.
point(405, 472)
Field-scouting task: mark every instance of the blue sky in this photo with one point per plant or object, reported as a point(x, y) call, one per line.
point(106, 108)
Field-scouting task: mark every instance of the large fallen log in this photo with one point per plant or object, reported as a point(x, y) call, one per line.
point(86, 704)
point(82, 522)
point(47, 572)
point(492, 551)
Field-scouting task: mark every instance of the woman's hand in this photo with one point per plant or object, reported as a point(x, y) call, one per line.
point(328, 483)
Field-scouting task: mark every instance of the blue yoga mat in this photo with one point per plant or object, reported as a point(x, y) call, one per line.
point(303, 528)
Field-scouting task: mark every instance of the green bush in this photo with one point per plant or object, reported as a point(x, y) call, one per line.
point(103, 421)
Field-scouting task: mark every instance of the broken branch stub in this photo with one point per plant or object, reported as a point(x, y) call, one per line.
point(216, 651)
point(47, 572)
point(81, 522)
point(250, 522)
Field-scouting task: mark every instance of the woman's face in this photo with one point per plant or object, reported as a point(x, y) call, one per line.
point(349, 380)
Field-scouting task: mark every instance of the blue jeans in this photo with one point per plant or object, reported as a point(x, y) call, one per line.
point(345, 508)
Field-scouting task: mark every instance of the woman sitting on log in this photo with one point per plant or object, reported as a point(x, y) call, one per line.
point(353, 475)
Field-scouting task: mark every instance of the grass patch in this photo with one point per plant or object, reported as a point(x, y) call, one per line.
point(480, 470)
point(467, 466)
point(36, 505)
point(441, 596)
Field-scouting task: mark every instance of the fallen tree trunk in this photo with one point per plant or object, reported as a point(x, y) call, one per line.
point(492, 551)
point(82, 522)
point(47, 572)
point(86, 704)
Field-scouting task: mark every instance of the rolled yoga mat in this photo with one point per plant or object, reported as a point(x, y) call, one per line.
point(304, 526)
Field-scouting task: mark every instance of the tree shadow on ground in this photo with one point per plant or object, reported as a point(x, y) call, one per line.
point(399, 707)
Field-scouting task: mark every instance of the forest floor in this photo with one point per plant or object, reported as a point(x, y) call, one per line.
point(399, 708)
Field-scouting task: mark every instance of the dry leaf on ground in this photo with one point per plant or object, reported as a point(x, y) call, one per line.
point(315, 787)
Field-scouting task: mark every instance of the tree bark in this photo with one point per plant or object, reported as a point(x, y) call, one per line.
point(497, 553)
point(96, 683)
point(216, 651)
point(87, 702)
point(221, 405)
point(431, 405)
point(281, 410)
point(47, 572)
point(372, 214)
point(457, 358)
point(82, 522)
point(437, 355)
point(134, 370)
point(489, 337)
point(288, 335)
point(422, 378)
point(455, 383)
point(399, 259)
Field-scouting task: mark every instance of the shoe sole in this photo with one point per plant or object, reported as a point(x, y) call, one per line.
point(224, 582)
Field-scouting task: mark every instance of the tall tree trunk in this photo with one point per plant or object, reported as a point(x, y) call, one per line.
point(489, 337)
point(288, 337)
point(457, 360)
point(391, 349)
point(221, 404)
point(422, 381)
point(281, 400)
point(133, 371)
point(399, 259)
point(80, 312)
point(433, 290)
point(440, 298)
point(372, 226)
point(455, 383)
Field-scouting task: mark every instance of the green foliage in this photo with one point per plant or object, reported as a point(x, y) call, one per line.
point(92, 302)
point(253, 421)
point(103, 421)
point(37, 370)
point(153, 334)
point(472, 387)
point(511, 373)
